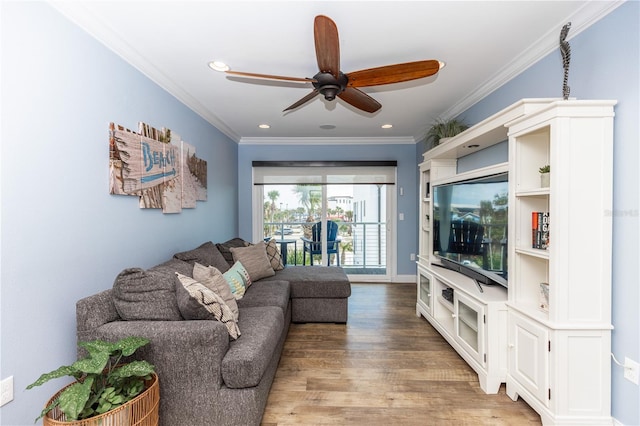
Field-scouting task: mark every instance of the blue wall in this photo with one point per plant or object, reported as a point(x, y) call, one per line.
point(63, 236)
point(604, 65)
point(406, 175)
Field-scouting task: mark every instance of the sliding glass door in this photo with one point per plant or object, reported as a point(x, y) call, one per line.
point(290, 199)
point(360, 212)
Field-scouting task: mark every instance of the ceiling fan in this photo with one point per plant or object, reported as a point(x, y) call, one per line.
point(331, 82)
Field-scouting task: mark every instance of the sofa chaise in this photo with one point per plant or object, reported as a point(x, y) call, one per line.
point(214, 372)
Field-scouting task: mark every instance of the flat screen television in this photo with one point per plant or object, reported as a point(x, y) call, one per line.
point(470, 222)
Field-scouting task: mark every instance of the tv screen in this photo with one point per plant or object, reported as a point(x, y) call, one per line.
point(470, 227)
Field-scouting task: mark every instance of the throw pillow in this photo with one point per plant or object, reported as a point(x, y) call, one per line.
point(197, 302)
point(140, 295)
point(206, 254)
point(225, 248)
point(254, 259)
point(274, 255)
point(238, 280)
point(212, 278)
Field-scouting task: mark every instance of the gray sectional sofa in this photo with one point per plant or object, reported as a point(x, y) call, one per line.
point(207, 377)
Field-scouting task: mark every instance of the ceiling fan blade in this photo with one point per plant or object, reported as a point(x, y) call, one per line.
point(359, 99)
point(325, 34)
point(393, 73)
point(304, 100)
point(271, 77)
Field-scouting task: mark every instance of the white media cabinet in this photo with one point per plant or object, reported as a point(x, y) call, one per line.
point(473, 323)
point(555, 355)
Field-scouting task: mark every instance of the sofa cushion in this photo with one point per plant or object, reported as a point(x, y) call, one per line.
point(174, 265)
point(145, 295)
point(206, 254)
point(274, 255)
point(212, 278)
point(225, 248)
point(238, 280)
point(315, 281)
point(247, 358)
point(266, 293)
point(254, 259)
point(197, 302)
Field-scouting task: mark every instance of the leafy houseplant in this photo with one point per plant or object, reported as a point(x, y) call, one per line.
point(545, 169)
point(102, 384)
point(445, 129)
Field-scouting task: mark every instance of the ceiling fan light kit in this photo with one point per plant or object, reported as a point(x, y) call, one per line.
point(218, 66)
point(330, 82)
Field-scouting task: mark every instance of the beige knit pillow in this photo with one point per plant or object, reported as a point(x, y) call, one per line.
point(212, 278)
point(254, 259)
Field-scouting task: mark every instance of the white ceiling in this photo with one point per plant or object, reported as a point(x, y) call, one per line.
point(483, 43)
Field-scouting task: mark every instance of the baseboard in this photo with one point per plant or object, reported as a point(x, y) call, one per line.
point(381, 279)
point(404, 279)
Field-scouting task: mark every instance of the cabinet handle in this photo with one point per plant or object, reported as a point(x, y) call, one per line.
point(511, 346)
point(453, 315)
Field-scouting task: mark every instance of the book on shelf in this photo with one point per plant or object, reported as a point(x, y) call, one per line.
point(540, 230)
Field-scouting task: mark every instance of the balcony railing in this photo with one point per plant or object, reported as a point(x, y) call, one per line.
point(363, 245)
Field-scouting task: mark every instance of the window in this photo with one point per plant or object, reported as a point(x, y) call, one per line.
point(294, 196)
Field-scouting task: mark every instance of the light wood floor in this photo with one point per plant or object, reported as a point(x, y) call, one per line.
point(386, 366)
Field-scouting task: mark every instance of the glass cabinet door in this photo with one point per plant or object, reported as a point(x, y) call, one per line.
point(425, 290)
point(469, 326)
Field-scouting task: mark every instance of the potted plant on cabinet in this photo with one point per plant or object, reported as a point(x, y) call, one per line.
point(105, 391)
point(545, 176)
point(443, 129)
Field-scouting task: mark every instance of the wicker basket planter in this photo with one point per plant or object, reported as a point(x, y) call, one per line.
point(143, 410)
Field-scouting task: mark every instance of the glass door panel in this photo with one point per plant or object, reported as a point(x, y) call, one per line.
point(360, 211)
point(469, 326)
point(424, 290)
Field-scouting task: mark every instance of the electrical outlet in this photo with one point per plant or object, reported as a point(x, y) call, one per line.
point(412, 256)
point(631, 370)
point(6, 391)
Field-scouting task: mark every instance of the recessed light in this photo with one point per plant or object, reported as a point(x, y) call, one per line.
point(387, 126)
point(218, 66)
point(264, 126)
point(327, 126)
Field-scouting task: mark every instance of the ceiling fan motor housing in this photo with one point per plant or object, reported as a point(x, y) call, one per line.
point(328, 85)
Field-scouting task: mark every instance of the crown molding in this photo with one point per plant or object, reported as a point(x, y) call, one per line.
point(96, 26)
point(582, 19)
point(329, 141)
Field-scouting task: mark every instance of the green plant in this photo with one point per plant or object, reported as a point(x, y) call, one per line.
point(445, 129)
point(102, 383)
point(545, 169)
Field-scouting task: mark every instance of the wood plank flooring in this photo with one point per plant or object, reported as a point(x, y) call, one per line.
point(386, 366)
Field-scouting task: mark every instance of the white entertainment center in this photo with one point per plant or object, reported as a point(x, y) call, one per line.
point(553, 352)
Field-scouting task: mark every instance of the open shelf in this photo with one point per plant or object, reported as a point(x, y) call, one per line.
point(570, 330)
point(445, 303)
